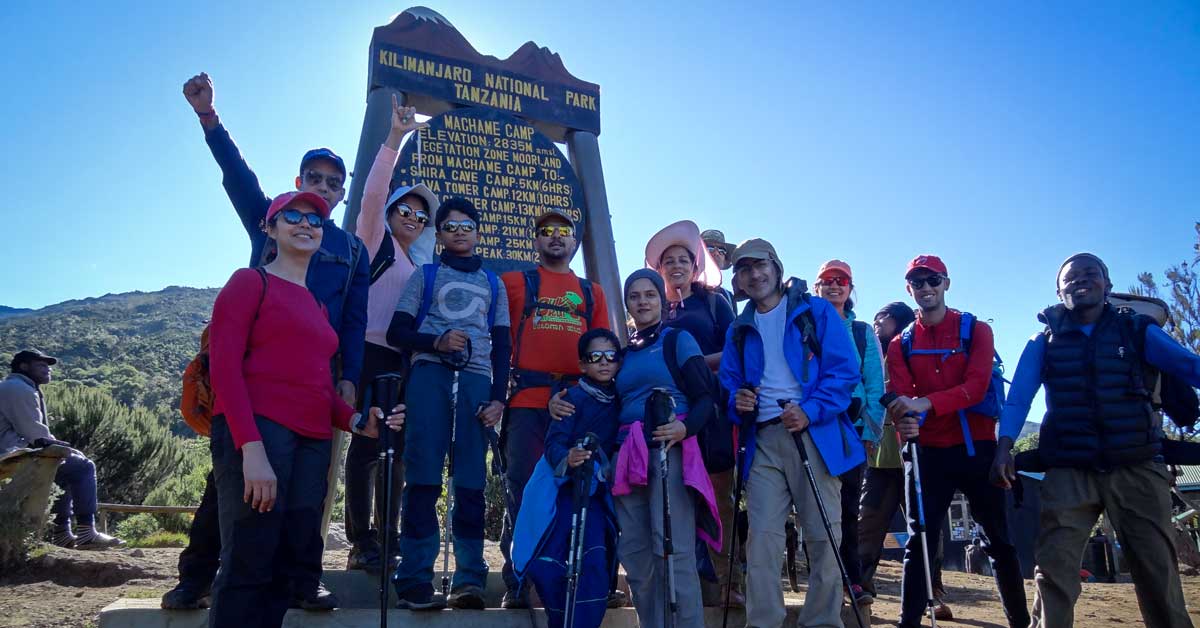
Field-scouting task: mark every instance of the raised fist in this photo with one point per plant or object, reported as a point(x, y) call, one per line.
point(198, 91)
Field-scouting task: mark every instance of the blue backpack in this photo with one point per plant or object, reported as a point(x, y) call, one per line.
point(429, 274)
point(993, 400)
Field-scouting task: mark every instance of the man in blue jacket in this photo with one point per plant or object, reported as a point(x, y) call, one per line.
point(789, 348)
point(1101, 443)
point(339, 278)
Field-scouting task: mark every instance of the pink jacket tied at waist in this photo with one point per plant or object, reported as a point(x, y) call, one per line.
point(632, 469)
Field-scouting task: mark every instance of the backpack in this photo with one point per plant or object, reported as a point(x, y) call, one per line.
point(429, 274)
point(993, 399)
point(716, 437)
point(196, 404)
point(1173, 396)
point(384, 258)
point(524, 378)
point(859, 330)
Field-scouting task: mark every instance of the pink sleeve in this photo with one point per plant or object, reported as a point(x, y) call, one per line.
point(228, 336)
point(370, 225)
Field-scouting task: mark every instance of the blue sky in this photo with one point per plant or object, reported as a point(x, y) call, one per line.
point(1002, 136)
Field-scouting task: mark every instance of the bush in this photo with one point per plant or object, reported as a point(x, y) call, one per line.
point(185, 489)
point(139, 526)
point(161, 539)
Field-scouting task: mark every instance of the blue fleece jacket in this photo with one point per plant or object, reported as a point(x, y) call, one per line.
point(341, 262)
point(827, 382)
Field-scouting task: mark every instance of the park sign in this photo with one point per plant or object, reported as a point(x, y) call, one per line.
point(422, 55)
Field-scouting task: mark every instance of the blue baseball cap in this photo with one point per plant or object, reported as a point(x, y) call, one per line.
point(323, 153)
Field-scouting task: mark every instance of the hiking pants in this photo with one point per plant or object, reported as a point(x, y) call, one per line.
point(548, 570)
point(262, 554)
point(882, 494)
point(1136, 499)
point(714, 592)
point(199, 561)
point(777, 482)
point(427, 441)
point(76, 476)
point(362, 459)
point(524, 442)
point(945, 470)
point(851, 494)
point(640, 548)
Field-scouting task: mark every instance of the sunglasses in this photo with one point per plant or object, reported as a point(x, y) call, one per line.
point(454, 226)
point(562, 231)
point(594, 357)
point(314, 178)
point(406, 211)
point(717, 249)
point(834, 281)
point(295, 217)
point(933, 281)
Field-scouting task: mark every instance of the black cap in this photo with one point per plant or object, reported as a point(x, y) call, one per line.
point(323, 153)
point(31, 355)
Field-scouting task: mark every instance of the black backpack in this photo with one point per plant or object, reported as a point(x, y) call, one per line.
point(859, 330)
point(1173, 396)
point(716, 437)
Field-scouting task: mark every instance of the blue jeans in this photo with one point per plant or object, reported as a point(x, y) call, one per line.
point(427, 440)
point(76, 476)
point(263, 554)
point(524, 442)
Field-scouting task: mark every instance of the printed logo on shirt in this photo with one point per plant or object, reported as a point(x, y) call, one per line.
point(454, 305)
point(545, 319)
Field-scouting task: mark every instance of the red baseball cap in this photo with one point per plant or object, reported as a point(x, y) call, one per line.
point(931, 263)
point(835, 265)
point(283, 201)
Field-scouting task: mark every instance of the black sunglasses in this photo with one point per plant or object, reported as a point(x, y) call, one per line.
point(594, 357)
point(933, 281)
point(314, 178)
point(405, 210)
point(295, 217)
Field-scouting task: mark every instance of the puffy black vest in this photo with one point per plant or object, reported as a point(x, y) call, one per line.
point(1098, 412)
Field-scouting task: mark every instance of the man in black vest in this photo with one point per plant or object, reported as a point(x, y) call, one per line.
point(1101, 442)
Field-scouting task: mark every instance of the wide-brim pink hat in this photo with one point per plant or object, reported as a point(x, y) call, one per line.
point(685, 233)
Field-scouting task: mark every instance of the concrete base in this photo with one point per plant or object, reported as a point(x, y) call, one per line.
point(145, 613)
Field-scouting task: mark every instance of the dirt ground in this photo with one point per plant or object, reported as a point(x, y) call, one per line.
point(68, 588)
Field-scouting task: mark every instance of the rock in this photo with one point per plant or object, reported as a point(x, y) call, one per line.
point(336, 538)
point(137, 553)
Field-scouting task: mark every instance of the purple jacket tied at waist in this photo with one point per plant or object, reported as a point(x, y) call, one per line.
point(632, 469)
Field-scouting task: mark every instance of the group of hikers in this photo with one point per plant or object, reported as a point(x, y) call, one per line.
point(681, 456)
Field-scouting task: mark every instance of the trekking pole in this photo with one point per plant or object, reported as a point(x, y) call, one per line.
point(913, 482)
point(389, 385)
point(660, 410)
point(738, 485)
point(456, 361)
point(812, 483)
point(575, 550)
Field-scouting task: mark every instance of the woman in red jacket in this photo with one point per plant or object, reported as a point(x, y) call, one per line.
point(270, 350)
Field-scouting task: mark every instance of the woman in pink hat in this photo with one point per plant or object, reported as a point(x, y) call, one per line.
point(270, 350)
point(696, 305)
point(835, 283)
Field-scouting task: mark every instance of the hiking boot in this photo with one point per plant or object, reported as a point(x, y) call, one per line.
point(941, 611)
point(420, 598)
point(88, 538)
point(468, 597)
point(185, 597)
point(514, 600)
point(617, 599)
point(320, 600)
point(861, 597)
point(364, 557)
point(62, 536)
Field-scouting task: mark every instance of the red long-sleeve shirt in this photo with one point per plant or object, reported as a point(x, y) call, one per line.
point(277, 365)
point(959, 382)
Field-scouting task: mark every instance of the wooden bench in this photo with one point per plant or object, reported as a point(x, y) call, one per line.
point(103, 510)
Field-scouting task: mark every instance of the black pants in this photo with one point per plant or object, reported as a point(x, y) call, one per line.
point(943, 471)
point(883, 493)
point(851, 493)
point(363, 457)
point(524, 441)
point(199, 560)
point(263, 554)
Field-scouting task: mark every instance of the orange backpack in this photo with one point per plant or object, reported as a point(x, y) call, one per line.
point(198, 399)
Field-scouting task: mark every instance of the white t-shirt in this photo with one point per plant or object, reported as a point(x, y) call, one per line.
point(777, 381)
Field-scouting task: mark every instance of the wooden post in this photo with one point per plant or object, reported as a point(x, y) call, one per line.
point(599, 246)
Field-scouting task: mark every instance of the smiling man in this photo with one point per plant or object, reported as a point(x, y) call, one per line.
point(939, 377)
point(1101, 442)
point(551, 308)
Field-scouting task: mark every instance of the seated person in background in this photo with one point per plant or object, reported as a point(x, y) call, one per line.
point(23, 423)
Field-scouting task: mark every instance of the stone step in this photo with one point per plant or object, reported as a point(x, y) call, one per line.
point(145, 613)
point(358, 589)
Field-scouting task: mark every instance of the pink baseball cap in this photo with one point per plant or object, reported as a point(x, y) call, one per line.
point(287, 199)
point(931, 263)
point(835, 265)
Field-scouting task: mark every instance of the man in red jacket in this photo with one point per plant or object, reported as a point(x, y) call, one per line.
point(940, 376)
